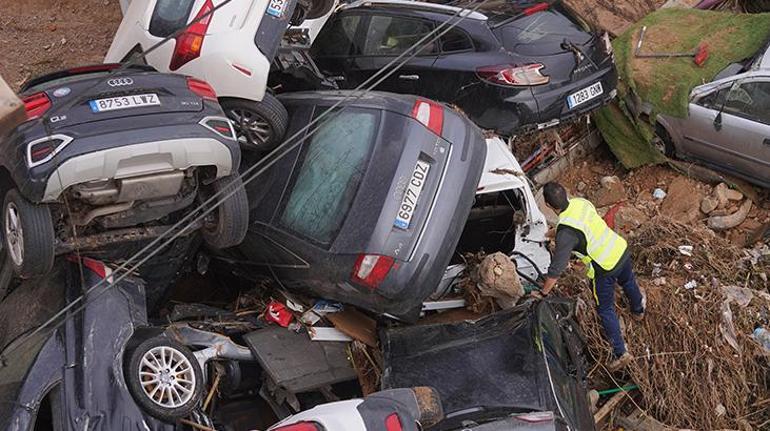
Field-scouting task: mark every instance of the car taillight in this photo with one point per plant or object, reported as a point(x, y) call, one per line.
point(539, 7)
point(42, 150)
point(300, 426)
point(393, 423)
point(189, 43)
point(536, 417)
point(36, 105)
point(371, 269)
point(201, 88)
point(516, 76)
point(430, 114)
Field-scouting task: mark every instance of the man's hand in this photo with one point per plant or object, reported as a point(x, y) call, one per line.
point(550, 282)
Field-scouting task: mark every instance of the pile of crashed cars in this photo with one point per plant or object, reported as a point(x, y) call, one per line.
point(191, 155)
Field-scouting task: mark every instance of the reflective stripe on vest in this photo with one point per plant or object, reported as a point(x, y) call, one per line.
point(603, 245)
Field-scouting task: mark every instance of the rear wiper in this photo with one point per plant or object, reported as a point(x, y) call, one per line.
point(567, 45)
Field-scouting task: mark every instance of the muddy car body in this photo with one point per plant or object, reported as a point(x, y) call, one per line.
point(106, 150)
point(72, 374)
point(531, 68)
point(369, 209)
point(727, 126)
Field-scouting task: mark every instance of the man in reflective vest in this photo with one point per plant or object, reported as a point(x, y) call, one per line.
point(583, 233)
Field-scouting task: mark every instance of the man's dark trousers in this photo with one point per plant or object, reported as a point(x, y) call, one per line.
point(604, 289)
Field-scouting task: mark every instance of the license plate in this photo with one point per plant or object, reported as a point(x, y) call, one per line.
point(276, 8)
point(584, 95)
point(411, 195)
point(124, 102)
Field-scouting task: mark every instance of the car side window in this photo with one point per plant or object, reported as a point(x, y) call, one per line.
point(713, 100)
point(391, 35)
point(750, 100)
point(169, 16)
point(338, 39)
point(456, 40)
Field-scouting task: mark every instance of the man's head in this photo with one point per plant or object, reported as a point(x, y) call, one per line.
point(555, 196)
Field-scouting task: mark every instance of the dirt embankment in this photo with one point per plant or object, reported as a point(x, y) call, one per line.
point(39, 36)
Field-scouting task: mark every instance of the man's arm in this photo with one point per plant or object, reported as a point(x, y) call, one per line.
point(566, 241)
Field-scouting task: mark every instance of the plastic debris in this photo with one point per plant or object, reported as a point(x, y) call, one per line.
point(658, 194)
point(686, 250)
point(762, 337)
point(692, 284)
point(278, 313)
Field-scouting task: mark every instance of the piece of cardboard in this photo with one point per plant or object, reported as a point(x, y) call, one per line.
point(355, 324)
point(11, 109)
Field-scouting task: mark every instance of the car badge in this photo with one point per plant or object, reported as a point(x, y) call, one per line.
point(61, 92)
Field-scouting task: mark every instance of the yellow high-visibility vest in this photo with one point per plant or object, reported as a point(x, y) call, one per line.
point(603, 245)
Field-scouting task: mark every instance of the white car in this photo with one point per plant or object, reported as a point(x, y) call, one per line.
point(407, 409)
point(231, 48)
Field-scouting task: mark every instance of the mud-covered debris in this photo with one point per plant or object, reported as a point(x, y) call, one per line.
point(497, 278)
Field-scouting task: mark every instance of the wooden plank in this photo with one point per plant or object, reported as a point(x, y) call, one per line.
point(11, 109)
point(608, 407)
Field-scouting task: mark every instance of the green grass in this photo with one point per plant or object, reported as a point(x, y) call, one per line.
point(666, 83)
point(629, 141)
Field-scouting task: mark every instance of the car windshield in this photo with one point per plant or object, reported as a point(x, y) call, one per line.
point(332, 166)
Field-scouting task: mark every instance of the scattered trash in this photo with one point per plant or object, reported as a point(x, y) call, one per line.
point(658, 194)
point(762, 336)
point(727, 328)
point(277, 313)
point(327, 334)
point(692, 284)
point(685, 250)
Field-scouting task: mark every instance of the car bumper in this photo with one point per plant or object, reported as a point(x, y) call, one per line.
point(97, 157)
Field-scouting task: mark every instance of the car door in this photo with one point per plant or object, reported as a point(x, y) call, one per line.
point(730, 128)
point(336, 45)
point(455, 66)
point(385, 38)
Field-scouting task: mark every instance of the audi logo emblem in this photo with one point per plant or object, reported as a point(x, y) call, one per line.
point(120, 82)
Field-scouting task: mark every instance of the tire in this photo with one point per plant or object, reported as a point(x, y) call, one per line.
point(187, 382)
point(663, 142)
point(317, 8)
point(28, 235)
point(260, 126)
point(227, 224)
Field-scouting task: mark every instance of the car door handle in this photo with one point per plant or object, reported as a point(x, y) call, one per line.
point(409, 77)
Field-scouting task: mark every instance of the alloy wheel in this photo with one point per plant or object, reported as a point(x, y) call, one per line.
point(167, 377)
point(14, 236)
point(250, 127)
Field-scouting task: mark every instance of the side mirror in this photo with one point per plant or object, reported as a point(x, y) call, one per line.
point(718, 122)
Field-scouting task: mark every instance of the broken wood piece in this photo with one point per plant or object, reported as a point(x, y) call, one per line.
point(11, 109)
point(355, 324)
point(608, 407)
point(327, 334)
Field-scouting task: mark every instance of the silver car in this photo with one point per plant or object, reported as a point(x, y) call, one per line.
point(728, 122)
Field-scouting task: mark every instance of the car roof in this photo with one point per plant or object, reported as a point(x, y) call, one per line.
point(419, 6)
point(402, 103)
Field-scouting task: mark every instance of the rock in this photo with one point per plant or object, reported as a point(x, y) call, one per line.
point(610, 192)
point(581, 186)
point(732, 220)
point(498, 279)
point(629, 218)
point(683, 201)
point(734, 195)
point(709, 204)
point(722, 193)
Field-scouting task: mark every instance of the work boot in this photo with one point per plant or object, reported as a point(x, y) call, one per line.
point(640, 316)
point(621, 362)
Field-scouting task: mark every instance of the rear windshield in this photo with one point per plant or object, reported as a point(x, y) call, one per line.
point(541, 33)
point(169, 16)
point(332, 166)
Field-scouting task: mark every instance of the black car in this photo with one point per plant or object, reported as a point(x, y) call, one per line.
point(367, 210)
point(72, 375)
point(111, 153)
point(518, 369)
point(529, 67)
